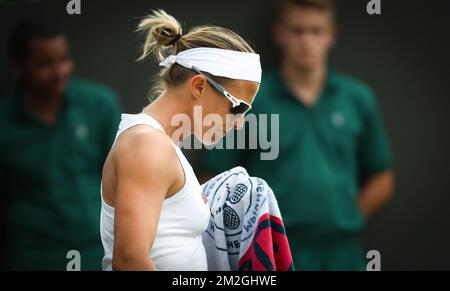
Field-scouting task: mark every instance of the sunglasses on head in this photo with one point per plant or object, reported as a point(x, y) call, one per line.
point(239, 107)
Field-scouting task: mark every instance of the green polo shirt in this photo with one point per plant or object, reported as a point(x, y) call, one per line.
point(50, 178)
point(325, 152)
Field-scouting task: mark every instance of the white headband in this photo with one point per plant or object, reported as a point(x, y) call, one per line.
point(219, 62)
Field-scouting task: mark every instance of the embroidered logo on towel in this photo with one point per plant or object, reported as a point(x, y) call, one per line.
point(238, 193)
point(230, 217)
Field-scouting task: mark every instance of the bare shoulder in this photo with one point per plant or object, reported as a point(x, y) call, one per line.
point(140, 137)
point(142, 150)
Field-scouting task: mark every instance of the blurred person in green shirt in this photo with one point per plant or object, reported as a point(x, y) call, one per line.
point(334, 165)
point(55, 133)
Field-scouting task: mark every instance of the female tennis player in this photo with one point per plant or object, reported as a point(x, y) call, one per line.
point(153, 213)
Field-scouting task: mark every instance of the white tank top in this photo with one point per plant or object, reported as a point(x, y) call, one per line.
point(184, 216)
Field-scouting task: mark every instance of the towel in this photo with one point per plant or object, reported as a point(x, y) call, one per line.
point(245, 231)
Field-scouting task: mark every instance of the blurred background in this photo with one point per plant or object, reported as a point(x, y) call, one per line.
point(402, 54)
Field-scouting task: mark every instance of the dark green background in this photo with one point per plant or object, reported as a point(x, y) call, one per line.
point(402, 54)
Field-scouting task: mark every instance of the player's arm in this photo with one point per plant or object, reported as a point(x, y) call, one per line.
point(144, 172)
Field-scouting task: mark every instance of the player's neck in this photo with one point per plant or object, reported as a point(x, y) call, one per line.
point(163, 109)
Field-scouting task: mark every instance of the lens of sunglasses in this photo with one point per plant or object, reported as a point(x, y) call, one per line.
point(240, 109)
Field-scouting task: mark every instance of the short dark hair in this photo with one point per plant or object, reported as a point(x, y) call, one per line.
point(25, 31)
point(324, 5)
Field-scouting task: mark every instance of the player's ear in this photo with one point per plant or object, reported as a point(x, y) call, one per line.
point(198, 84)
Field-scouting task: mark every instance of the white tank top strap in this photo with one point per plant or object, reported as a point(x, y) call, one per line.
point(130, 120)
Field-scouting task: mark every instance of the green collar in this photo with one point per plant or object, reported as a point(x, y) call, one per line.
point(329, 89)
point(22, 113)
